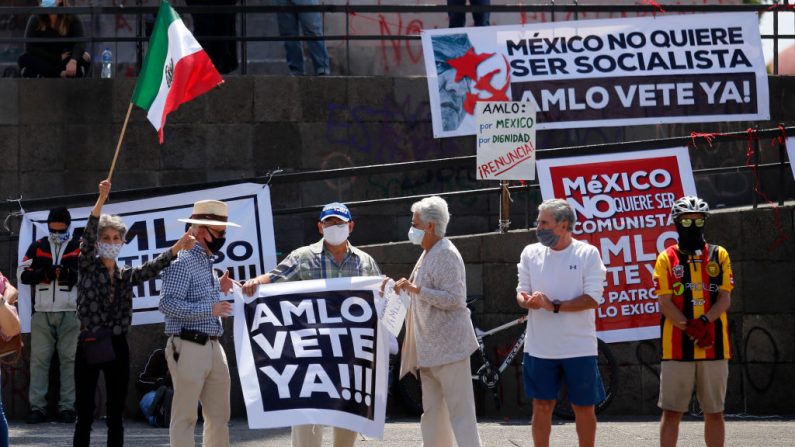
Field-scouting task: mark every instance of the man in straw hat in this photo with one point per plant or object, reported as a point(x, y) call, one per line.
point(193, 308)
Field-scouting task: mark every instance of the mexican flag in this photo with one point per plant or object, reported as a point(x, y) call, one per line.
point(176, 69)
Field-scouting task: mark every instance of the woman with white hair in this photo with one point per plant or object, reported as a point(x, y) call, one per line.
point(104, 307)
point(439, 334)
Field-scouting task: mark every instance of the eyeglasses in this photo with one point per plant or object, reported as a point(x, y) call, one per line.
point(688, 222)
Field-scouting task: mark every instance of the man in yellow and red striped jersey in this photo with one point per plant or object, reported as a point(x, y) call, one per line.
point(693, 282)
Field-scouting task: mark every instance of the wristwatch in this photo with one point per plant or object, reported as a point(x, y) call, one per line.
point(555, 306)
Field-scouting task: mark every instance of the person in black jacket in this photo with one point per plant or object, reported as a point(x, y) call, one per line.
point(104, 306)
point(50, 269)
point(54, 59)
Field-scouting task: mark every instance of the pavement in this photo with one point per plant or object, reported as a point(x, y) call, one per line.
point(623, 432)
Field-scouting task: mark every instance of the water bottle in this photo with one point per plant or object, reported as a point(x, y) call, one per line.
point(107, 64)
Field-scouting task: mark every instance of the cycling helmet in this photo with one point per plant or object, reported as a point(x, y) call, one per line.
point(689, 204)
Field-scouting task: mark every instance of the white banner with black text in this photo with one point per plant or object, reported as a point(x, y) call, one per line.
point(313, 352)
point(153, 227)
point(592, 73)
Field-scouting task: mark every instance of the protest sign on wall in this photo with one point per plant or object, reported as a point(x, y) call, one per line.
point(312, 352)
point(506, 141)
point(622, 202)
point(592, 73)
point(153, 228)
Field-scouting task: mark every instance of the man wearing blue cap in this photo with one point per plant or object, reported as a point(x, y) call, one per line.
point(331, 257)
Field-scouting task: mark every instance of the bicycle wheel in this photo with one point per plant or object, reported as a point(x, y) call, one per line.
point(608, 370)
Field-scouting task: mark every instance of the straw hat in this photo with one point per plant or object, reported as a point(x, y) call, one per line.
point(210, 212)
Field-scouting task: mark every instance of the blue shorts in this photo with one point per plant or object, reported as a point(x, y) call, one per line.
point(542, 379)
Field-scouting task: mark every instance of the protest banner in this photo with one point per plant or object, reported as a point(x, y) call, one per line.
point(623, 202)
point(506, 141)
point(593, 73)
point(313, 352)
point(153, 228)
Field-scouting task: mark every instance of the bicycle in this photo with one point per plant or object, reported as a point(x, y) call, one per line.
point(488, 374)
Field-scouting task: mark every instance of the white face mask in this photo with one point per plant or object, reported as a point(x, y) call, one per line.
point(416, 235)
point(108, 251)
point(336, 234)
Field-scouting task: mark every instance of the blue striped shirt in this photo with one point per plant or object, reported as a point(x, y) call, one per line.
point(190, 288)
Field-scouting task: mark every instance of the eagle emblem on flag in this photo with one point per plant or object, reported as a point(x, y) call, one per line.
point(170, 72)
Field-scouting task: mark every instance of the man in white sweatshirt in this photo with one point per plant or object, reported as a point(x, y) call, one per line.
point(561, 281)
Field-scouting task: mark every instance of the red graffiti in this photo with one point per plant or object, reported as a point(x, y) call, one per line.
point(412, 28)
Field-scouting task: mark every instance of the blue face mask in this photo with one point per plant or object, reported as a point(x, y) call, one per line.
point(59, 238)
point(48, 3)
point(548, 238)
point(416, 235)
point(108, 251)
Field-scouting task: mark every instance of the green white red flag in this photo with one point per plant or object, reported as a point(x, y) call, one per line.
point(176, 69)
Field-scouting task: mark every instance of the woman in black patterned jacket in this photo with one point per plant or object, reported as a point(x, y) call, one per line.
point(104, 307)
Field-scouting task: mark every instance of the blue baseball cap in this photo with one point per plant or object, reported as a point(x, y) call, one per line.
point(336, 209)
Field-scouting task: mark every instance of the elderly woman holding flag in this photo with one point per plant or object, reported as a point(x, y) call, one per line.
point(104, 307)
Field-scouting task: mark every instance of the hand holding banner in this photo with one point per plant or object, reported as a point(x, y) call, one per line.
point(312, 352)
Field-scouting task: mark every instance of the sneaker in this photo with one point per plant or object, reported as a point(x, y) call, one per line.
point(36, 417)
point(67, 417)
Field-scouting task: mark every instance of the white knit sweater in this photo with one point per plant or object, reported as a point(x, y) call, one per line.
point(440, 321)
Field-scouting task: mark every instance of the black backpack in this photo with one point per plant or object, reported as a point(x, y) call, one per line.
point(161, 406)
point(155, 373)
point(155, 377)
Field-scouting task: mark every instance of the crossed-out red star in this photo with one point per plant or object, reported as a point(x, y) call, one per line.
point(467, 65)
point(484, 85)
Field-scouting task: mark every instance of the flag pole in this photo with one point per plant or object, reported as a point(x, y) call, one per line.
point(121, 138)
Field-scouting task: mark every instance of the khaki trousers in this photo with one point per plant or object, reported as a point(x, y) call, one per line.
point(449, 406)
point(312, 436)
point(201, 374)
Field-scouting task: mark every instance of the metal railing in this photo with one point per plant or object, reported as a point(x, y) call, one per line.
point(245, 11)
point(285, 178)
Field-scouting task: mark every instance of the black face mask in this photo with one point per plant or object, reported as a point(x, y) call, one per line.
point(215, 244)
point(690, 238)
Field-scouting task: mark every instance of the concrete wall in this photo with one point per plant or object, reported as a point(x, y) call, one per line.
point(57, 138)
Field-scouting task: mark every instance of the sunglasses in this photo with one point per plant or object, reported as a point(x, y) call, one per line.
point(688, 222)
point(216, 233)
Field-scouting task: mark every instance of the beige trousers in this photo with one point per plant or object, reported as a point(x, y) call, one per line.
point(312, 436)
point(449, 406)
point(201, 374)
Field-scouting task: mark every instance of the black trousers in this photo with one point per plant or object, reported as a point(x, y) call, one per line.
point(117, 375)
point(223, 54)
point(35, 66)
